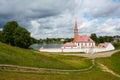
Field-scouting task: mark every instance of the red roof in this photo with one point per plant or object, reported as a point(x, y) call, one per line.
point(83, 38)
point(69, 44)
point(103, 45)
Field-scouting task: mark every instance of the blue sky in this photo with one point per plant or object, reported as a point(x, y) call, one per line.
point(55, 18)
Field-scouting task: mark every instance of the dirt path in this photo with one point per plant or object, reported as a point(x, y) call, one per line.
point(106, 69)
point(96, 55)
point(7, 67)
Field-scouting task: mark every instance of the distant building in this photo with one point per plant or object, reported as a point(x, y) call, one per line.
point(106, 45)
point(85, 44)
point(116, 39)
point(80, 41)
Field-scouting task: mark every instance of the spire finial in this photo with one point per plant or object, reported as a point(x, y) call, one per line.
point(76, 24)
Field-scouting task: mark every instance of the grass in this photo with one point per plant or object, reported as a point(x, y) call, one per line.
point(24, 57)
point(95, 74)
point(112, 62)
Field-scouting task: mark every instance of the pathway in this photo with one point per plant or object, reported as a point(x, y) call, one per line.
point(8, 67)
point(16, 68)
point(96, 55)
point(106, 69)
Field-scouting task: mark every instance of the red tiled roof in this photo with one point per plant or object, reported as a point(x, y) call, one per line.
point(103, 45)
point(83, 38)
point(69, 44)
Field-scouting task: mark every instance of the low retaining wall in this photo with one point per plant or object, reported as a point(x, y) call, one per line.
point(50, 49)
point(86, 50)
point(61, 50)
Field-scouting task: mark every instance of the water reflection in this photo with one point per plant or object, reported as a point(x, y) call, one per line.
point(37, 46)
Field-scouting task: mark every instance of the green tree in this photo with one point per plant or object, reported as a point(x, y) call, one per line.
point(101, 39)
point(108, 38)
point(94, 37)
point(117, 45)
point(0, 36)
point(8, 31)
point(22, 37)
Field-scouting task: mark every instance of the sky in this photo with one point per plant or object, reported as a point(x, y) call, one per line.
point(56, 18)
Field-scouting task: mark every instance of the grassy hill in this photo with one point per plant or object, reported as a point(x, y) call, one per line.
point(24, 57)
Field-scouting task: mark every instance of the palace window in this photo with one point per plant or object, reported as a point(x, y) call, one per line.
point(89, 44)
point(81, 44)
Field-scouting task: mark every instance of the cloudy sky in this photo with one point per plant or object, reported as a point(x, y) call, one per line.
point(55, 18)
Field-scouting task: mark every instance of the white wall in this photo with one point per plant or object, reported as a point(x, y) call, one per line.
point(75, 49)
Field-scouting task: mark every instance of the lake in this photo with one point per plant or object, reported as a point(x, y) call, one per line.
point(37, 46)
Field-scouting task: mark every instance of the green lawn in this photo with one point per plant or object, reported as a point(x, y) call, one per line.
point(94, 74)
point(24, 57)
point(112, 62)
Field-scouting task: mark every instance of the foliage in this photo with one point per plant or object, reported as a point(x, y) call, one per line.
point(94, 37)
point(0, 36)
point(67, 40)
point(55, 40)
point(21, 37)
point(103, 39)
point(8, 31)
point(15, 35)
point(117, 45)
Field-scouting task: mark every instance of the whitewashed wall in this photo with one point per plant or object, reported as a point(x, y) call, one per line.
point(75, 49)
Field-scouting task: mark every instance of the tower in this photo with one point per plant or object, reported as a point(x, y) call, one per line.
point(75, 30)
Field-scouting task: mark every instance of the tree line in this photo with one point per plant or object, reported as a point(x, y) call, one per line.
point(15, 35)
point(97, 39)
point(102, 39)
point(55, 40)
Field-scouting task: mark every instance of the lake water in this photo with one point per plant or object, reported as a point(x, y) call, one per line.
point(37, 46)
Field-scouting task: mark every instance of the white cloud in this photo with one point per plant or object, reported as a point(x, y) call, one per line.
point(109, 27)
point(0, 29)
point(55, 18)
point(35, 28)
point(88, 24)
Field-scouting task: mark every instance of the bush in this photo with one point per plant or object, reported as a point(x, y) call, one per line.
point(117, 45)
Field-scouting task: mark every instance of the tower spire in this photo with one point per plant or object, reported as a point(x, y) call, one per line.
point(75, 30)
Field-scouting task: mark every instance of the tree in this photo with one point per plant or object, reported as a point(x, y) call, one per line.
point(15, 35)
point(0, 36)
point(94, 37)
point(22, 37)
point(101, 39)
point(8, 31)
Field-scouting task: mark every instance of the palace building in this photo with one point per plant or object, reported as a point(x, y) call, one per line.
point(80, 41)
point(83, 43)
